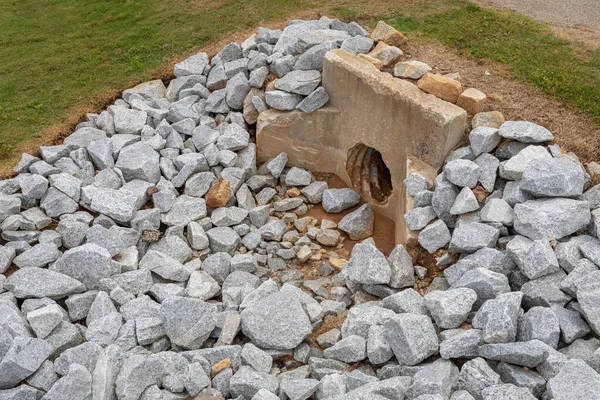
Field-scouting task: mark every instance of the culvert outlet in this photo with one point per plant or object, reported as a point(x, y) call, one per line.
point(369, 174)
point(375, 131)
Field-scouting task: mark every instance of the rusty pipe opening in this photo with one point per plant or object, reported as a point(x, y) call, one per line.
point(368, 173)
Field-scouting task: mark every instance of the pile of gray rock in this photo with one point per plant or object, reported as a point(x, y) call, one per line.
point(148, 257)
point(520, 222)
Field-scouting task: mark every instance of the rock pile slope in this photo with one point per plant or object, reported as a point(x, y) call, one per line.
point(148, 257)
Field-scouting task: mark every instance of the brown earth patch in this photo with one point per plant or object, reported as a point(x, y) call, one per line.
point(573, 130)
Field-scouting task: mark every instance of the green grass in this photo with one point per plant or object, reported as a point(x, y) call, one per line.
point(534, 55)
point(58, 56)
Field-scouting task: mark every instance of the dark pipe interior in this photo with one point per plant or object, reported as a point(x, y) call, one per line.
point(368, 173)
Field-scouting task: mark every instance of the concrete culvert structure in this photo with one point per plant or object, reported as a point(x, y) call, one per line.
point(408, 130)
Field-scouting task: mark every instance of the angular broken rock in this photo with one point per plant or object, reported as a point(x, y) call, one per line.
point(39, 283)
point(22, 359)
point(139, 161)
point(551, 218)
point(88, 264)
point(412, 337)
point(472, 236)
point(401, 266)
point(368, 266)
point(338, 200)
point(449, 308)
point(188, 322)
point(358, 224)
point(524, 131)
point(299, 82)
point(277, 321)
point(434, 236)
point(553, 177)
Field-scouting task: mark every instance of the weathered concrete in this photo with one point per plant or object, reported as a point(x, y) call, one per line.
point(406, 125)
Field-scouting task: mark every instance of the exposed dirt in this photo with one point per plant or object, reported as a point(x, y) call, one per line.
point(383, 230)
point(573, 130)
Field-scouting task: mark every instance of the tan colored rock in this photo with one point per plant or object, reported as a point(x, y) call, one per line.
point(328, 237)
point(593, 168)
point(293, 192)
point(388, 55)
point(337, 263)
point(304, 253)
point(250, 113)
point(493, 119)
point(385, 33)
point(376, 62)
point(220, 366)
point(444, 88)
point(270, 86)
point(472, 101)
point(219, 194)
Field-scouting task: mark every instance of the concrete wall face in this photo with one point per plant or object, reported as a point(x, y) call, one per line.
point(407, 126)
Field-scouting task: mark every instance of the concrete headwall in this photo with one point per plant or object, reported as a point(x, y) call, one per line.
point(411, 129)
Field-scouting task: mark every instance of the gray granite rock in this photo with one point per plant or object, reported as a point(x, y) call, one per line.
point(524, 131)
point(349, 350)
point(506, 392)
point(550, 218)
point(188, 322)
point(472, 236)
point(483, 140)
point(535, 258)
point(460, 343)
point(317, 99)
point(462, 173)
point(487, 284)
point(277, 321)
point(465, 202)
point(575, 381)
point(401, 267)
point(299, 389)
point(415, 183)
point(497, 210)
point(451, 307)
point(412, 337)
point(139, 161)
point(367, 265)
point(299, 82)
point(528, 354)
point(434, 236)
point(588, 293)
point(76, 384)
point(359, 223)
point(164, 266)
point(437, 378)
point(476, 375)
point(498, 318)
point(545, 291)
point(38, 283)
point(37, 256)
point(281, 100)
point(23, 358)
point(418, 218)
point(553, 177)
